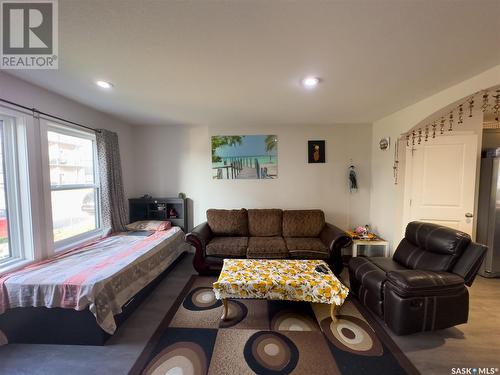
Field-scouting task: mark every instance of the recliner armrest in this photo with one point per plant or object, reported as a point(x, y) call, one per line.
point(334, 237)
point(421, 283)
point(201, 234)
point(469, 263)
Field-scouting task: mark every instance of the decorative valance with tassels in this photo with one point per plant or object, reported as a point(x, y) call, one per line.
point(489, 100)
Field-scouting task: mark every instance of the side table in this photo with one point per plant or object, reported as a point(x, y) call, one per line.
point(378, 242)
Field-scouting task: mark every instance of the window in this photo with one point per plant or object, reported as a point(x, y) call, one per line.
point(74, 189)
point(15, 213)
point(5, 251)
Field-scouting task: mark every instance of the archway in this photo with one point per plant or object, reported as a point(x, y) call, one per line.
point(437, 163)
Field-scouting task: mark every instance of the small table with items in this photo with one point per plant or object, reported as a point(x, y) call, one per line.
point(370, 240)
point(283, 279)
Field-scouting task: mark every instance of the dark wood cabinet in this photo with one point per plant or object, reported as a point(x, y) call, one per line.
point(159, 209)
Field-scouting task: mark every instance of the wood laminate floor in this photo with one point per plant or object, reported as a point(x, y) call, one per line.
point(476, 344)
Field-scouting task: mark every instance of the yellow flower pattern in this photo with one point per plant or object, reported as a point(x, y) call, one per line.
point(292, 280)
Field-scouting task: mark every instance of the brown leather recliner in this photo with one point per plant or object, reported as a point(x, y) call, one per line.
point(422, 288)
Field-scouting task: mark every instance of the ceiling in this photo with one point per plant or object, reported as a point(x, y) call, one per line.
point(240, 62)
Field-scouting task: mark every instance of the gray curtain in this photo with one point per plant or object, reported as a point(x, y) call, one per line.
point(113, 211)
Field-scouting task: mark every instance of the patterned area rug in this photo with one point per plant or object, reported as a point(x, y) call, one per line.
point(267, 337)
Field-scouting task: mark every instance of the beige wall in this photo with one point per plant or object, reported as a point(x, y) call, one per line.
point(166, 160)
point(491, 138)
point(385, 209)
point(173, 159)
point(22, 92)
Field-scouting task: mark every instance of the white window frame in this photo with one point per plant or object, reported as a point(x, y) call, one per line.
point(17, 138)
point(74, 241)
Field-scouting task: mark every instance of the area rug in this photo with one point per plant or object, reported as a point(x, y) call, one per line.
point(267, 337)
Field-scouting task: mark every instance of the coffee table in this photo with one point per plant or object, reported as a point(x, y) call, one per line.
point(279, 279)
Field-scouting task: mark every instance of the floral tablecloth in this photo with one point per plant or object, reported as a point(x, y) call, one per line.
point(293, 280)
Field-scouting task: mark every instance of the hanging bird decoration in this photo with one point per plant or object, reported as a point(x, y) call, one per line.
point(353, 179)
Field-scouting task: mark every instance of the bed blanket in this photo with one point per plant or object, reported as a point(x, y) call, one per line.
point(101, 276)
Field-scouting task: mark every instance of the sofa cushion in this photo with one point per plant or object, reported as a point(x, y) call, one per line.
point(387, 264)
point(306, 248)
point(265, 222)
point(410, 283)
point(267, 247)
point(228, 222)
point(228, 247)
point(303, 223)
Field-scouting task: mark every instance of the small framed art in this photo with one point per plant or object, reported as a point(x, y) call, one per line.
point(316, 151)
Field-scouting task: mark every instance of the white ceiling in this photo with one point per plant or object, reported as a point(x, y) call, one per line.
point(240, 62)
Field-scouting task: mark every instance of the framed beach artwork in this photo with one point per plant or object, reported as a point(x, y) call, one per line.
point(244, 157)
point(316, 151)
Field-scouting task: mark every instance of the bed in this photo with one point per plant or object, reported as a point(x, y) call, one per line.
point(82, 296)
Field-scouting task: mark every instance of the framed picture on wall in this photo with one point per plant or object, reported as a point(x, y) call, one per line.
point(244, 157)
point(316, 151)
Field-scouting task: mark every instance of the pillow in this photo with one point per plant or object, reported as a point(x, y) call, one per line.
point(155, 225)
point(228, 222)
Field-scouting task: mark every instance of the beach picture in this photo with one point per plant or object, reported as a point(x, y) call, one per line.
point(316, 151)
point(244, 157)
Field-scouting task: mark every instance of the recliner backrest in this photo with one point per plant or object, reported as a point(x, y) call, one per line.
point(431, 247)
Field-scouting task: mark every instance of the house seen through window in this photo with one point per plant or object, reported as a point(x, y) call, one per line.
point(74, 189)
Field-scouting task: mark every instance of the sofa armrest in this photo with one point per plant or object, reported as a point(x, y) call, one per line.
point(409, 283)
point(199, 237)
point(334, 238)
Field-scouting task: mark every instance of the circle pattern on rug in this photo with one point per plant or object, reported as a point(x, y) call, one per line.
point(271, 353)
point(200, 299)
point(288, 320)
point(181, 358)
point(236, 312)
point(352, 335)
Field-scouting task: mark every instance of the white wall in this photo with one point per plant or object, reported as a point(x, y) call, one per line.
point(384, 207)
point(22, 92)
point(174, 159)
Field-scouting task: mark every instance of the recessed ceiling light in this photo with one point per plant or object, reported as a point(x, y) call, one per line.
point(104, 84)
point(310, 82)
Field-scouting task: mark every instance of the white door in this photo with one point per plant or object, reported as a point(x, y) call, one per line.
point(443, 181)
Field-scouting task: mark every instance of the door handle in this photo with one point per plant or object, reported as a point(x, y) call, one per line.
point(468, 215)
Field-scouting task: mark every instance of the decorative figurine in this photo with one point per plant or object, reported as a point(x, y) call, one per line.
point(172, 213)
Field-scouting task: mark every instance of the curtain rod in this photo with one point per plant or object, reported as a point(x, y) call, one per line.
point(34, 110)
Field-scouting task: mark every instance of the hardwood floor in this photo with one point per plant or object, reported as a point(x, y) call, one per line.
point(476, 344)
point(472, 345)
point(119, 353)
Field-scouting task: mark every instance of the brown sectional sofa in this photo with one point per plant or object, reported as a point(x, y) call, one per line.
point(265, 234)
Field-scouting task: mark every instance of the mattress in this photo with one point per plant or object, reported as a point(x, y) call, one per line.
point(101, 276)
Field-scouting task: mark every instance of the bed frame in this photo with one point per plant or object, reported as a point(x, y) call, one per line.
point(41, 325)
